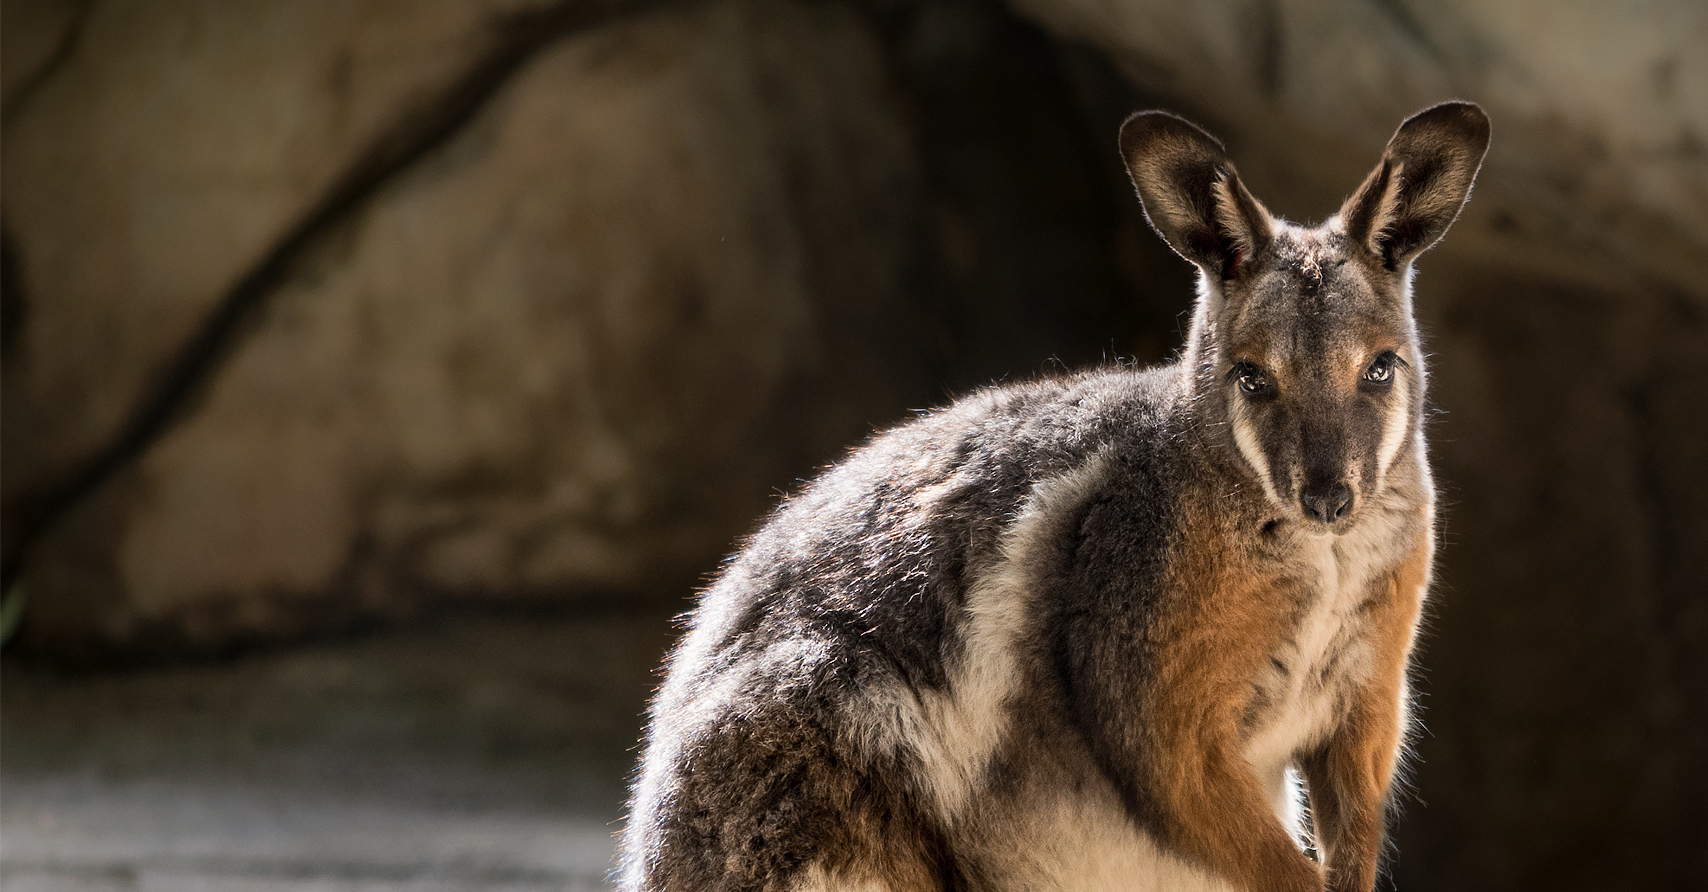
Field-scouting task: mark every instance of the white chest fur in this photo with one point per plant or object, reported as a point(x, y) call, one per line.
point(1304, 688)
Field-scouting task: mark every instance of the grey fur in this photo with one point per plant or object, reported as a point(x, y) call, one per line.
point(786, 742)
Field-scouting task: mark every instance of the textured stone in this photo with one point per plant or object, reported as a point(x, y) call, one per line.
point(570, 352)
point(162, 156)
point(1601, 112)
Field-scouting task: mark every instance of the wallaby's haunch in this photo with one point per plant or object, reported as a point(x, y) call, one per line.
point(1086, 633)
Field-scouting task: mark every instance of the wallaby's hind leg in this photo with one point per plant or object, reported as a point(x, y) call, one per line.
point(766, 803)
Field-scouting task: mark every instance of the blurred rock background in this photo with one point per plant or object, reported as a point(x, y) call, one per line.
point(327, 316)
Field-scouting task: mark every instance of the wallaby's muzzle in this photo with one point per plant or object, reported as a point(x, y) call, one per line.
point(1327, 504)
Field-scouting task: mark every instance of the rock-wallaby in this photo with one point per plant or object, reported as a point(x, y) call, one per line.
point(1092, 632)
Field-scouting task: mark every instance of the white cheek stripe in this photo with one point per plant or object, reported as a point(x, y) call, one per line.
point(1246, 440)
point(1394, 432)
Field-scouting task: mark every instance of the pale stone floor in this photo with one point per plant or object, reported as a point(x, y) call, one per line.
point(475, 754)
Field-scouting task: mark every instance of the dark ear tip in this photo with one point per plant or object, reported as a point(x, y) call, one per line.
point(1144, 129)
point(1466, 119)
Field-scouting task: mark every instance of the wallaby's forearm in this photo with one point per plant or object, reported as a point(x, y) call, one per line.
point(1173, 740)
point(1350, 776)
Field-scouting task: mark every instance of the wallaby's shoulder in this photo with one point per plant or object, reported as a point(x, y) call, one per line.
point(874, 560)
point(963, 471)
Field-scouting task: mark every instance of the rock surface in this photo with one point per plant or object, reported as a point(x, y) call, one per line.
point(676, 262)
point(155, 158)
point(558, 354)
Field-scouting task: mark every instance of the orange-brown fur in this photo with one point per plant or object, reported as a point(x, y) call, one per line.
point(1227, 607)
point(1223, 620)
point(1349, 775)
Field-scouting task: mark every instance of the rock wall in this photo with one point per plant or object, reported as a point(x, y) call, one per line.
point(687, 251)
point(679, 258)
point(549, 359)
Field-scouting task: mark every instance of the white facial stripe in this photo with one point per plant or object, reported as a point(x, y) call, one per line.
point(1394, 432)
point(1246, 439)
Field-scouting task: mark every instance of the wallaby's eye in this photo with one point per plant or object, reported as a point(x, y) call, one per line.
point(1253, 381)
point(1381, 370)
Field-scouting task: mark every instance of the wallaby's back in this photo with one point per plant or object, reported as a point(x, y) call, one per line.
point(857, 590)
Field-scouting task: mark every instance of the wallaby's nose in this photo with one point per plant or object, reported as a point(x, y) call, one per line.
point(1329, 504)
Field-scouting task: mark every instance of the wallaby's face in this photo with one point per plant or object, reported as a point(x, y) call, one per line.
point(1314, 372)
point(1306, 356)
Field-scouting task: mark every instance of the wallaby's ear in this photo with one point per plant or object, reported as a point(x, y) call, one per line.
point(1409, 200)
point(1191, 194)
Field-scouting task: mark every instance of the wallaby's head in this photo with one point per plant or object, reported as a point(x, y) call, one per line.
point(1304, 355)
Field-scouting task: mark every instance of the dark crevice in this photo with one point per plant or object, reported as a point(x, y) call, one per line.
point(13, 305)
point(1663, 454)
point(1267, 55)
point(517, 39)
point(1031, 238)
point(1651, 487)
point(30, 84)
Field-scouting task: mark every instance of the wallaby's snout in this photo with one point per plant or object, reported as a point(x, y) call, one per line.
point(1331, 470)
point(1329, 474)
point(1327, 504)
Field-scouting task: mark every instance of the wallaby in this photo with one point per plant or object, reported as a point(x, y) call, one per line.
point(1092, 632)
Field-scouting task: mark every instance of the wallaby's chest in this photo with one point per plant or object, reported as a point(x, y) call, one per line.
point(1323, 649)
